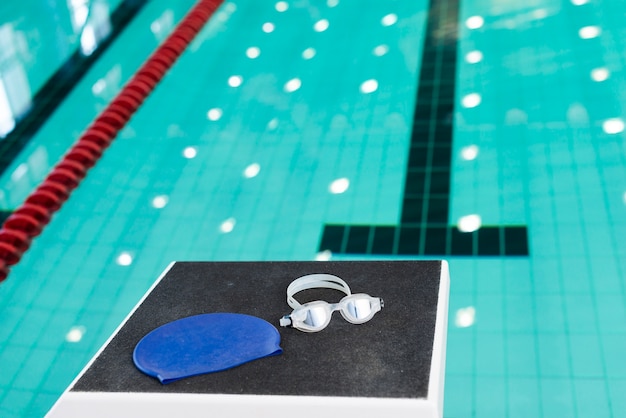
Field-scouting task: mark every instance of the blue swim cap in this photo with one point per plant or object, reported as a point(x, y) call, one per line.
point(205, 344)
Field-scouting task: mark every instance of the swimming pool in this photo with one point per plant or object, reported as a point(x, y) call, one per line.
point(305, 130)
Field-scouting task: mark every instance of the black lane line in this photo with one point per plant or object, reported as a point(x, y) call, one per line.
point(424, 228)
point(56, 89)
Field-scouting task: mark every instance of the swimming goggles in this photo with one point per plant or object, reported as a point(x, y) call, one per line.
point(315, 316)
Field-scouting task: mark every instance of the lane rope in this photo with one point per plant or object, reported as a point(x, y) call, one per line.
point(28, 220)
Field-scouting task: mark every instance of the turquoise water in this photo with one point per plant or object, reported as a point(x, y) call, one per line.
point(537, 141)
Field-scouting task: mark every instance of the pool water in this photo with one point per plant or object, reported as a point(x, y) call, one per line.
point(488, 133)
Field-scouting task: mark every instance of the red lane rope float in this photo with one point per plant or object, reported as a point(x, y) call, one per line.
point(27, 221)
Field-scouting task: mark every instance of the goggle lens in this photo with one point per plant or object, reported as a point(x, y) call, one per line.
point(317, 317)
point(358, 309)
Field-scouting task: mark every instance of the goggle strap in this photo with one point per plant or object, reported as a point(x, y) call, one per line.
point(315, 281)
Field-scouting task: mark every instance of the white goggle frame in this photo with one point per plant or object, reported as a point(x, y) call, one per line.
point(315, 316)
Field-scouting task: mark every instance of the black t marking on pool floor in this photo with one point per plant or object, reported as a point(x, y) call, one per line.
point(424, 228)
